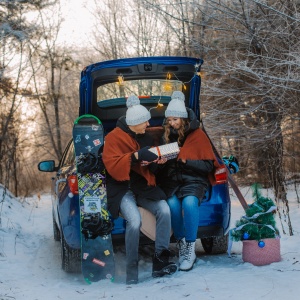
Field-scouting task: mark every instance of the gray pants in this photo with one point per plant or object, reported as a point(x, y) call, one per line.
point(131, 214)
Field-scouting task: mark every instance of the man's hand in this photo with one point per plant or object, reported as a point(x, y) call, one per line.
point(145, 155)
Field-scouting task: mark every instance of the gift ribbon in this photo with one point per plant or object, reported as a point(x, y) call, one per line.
point(158, 152)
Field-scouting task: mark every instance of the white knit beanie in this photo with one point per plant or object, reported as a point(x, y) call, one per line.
point(136, 113)
point(176, 107)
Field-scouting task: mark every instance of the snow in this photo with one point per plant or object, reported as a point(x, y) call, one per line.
point(30, 263)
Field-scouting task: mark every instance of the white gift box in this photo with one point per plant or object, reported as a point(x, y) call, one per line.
point(167, 151)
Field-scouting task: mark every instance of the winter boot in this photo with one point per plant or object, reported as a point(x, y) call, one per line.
point(132, 273)
point(161, 264)
point(190, 257)
point(181, 245)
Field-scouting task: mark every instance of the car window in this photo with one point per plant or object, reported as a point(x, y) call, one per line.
point(148, 90)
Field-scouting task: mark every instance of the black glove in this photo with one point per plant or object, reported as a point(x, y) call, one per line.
point(146, 155)
point(181, 163)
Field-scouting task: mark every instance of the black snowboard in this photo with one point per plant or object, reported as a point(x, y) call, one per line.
point(96, 245)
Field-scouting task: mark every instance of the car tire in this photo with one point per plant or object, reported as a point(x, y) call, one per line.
point(70, 258)
point(215, 245)
point(56, 232)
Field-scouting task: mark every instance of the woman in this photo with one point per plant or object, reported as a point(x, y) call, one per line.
point(130, 184)
point(186, 178)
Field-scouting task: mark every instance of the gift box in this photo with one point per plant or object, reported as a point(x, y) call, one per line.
point(167, 151)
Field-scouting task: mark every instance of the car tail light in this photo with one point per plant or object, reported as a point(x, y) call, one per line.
point(221, 175)
point(73, 184)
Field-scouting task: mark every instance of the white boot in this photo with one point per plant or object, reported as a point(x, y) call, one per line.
point(181, 245)
point(190, 257)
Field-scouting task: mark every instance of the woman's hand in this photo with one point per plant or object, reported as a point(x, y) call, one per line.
point(145, 163)
point(158, 161)
point(161, 161)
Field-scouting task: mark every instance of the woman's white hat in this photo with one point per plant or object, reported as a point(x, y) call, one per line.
point(176, 107)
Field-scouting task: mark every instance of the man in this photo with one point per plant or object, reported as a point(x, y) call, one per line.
point(130, 183)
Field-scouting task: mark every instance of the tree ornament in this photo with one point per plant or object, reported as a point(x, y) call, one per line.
point(261, 244)
point(246, 236)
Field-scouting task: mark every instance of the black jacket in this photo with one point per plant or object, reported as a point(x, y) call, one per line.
point(137, 183)
point(185, 179)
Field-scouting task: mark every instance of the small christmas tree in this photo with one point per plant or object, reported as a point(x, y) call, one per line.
point(259, 221)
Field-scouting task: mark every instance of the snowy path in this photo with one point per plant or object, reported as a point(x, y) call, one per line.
point(30, 266)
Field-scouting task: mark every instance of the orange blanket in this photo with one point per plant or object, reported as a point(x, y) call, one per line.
point(118, 148)
point(197, 146)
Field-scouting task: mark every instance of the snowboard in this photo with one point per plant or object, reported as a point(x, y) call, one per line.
point(97, 257)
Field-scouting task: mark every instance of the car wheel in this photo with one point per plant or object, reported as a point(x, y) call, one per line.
point(70, 258)
point(215, 245)
point(56, 232)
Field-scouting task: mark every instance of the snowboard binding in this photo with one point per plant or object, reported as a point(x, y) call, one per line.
point(89, 163)
point(93, 226)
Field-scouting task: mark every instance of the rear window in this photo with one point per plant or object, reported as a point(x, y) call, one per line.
point(148, 90)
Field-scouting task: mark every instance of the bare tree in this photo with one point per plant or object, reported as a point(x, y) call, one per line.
point(128, 29)
point(250, 78)
point(52, 69)
point(15, 32)
point(260, 78)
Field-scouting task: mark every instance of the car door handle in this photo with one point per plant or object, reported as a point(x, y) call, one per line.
point(57, 184)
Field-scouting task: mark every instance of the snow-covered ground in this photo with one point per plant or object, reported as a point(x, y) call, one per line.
point(30, 264)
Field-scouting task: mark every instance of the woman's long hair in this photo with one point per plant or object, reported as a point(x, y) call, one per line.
point(185, 124)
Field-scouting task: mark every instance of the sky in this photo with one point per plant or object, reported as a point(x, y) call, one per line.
point(30, 263)
point(78, 22)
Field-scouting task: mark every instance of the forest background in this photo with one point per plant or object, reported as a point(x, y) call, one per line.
point(250, 78)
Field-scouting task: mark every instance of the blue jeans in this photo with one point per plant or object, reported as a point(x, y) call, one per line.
point(184, 217)
point(131, 214)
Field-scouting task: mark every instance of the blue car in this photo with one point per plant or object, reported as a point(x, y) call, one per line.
point(104, 87)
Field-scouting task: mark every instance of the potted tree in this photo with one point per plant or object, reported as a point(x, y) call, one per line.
point(257, 230)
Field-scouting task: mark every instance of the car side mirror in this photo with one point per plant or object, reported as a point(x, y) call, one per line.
point(47, 166)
